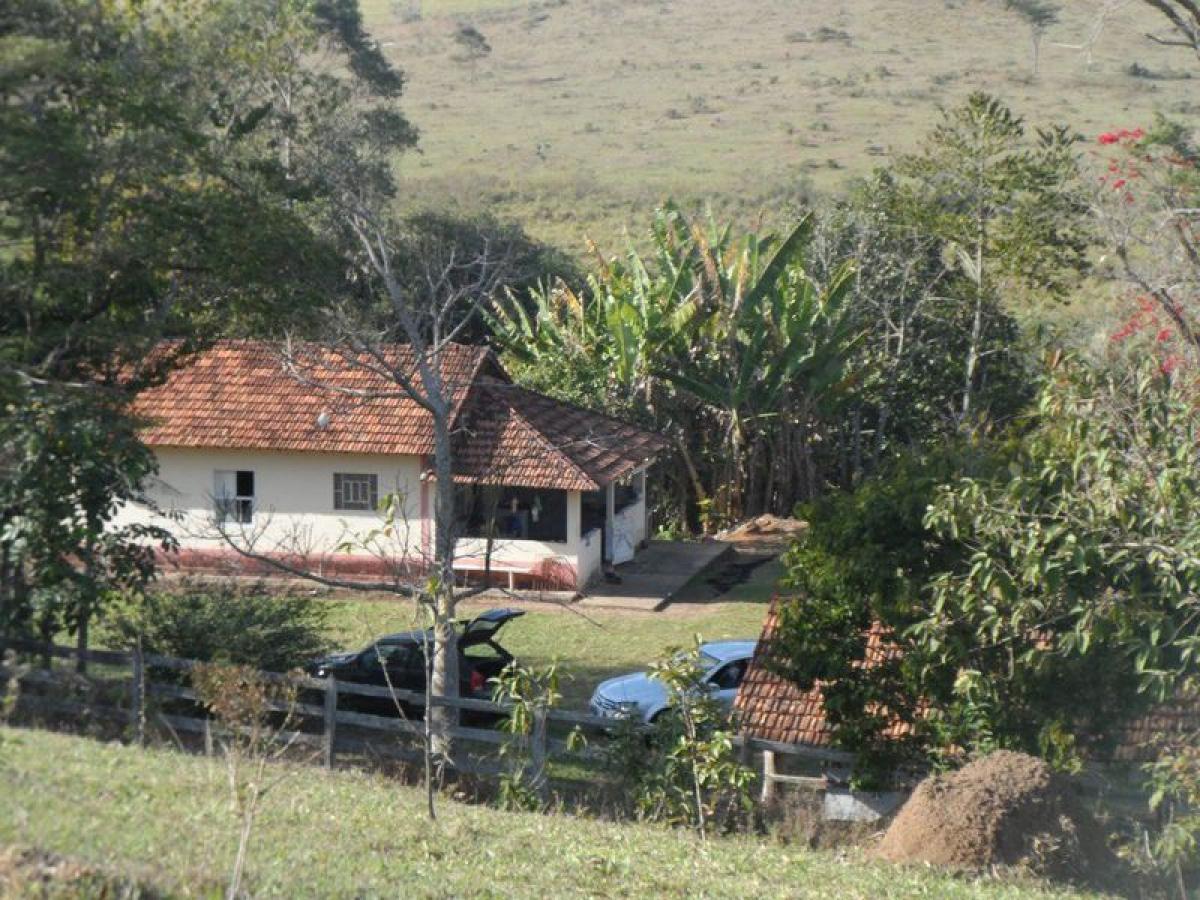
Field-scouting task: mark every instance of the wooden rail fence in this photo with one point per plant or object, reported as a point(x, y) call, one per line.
point(340, 728)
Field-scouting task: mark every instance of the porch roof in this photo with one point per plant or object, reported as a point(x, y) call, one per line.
point(513, 436)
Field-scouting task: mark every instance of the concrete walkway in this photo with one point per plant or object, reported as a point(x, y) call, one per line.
point(654, 576)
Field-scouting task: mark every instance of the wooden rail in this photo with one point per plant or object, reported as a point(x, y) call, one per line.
point(540, 745)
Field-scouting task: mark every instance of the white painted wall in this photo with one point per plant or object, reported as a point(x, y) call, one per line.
point(590, 559)
point(293, 498)
point(629, 525)
point(294, 508)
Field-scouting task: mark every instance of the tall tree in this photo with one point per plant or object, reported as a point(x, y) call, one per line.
point(907, 368)
point(159, 178)
point(1005, 209)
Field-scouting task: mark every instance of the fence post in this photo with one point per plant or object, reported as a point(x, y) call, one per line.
point(537, 754)
point(768, 775)
point(331, 702)
point(208, 736)
point(138, 695)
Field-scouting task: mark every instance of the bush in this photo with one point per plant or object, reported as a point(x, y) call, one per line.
point(225, 623)
point(685, 771)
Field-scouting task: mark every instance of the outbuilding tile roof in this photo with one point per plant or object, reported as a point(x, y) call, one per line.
point(251, 395)
point(774, 709)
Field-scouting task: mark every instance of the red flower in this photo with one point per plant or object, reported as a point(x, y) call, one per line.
point(1164, 334)
point(1109, 138)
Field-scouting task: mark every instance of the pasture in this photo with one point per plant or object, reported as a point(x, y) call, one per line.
point(586, 113)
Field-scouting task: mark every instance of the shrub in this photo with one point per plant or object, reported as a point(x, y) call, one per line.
point(225, 623)
point(685, 771)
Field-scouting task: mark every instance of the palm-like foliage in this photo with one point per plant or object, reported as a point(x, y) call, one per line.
point(777, 341)
point(726, 344)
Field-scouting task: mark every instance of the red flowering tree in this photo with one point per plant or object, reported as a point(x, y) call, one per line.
point(1147, 199)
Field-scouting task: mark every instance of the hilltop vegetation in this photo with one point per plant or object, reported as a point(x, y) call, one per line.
point(588, 112)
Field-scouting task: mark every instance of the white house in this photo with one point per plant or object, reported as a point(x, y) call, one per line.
point(294, 462)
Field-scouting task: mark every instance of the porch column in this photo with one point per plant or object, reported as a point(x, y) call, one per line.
point(610, 515)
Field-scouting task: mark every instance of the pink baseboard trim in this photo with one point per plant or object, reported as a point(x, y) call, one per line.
point(528, 574)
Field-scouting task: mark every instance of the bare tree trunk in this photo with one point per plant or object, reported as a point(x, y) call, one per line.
point(444, 680)
point(977, 318)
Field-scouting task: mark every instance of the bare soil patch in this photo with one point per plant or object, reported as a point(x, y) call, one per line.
point(1006, 810)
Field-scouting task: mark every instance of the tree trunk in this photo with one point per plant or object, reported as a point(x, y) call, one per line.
point(444, 675)
point(973, 348)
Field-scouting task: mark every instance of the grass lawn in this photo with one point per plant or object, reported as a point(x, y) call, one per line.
point(164, 818)
point(591, 645)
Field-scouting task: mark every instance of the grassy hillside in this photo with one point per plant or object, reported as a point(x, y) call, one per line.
point(587, 112)
point(164, 818)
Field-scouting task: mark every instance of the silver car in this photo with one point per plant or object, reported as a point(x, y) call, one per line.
point(642, 697)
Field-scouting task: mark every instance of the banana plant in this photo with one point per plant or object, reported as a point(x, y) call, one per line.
point(777, 336)
point(631, 316)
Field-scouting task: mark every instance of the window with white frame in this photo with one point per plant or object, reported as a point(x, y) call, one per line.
point(355, 492)
point(233, 495)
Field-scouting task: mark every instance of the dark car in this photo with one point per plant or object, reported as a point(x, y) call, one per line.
point(480, 658)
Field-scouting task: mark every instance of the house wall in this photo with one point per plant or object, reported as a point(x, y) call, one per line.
point(293, 498)
point(590, 559)
point(629, 525)
point(294, 515)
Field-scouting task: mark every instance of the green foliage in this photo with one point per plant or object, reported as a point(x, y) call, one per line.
point(1043, 600)
point(1070, 608)
point(1174, 780)
point(723, 343)
point(225, 623)
point(1006, 212)
point(684, 771)
point(166, 172)
point(69, 461)
point(530, 693)
point(906, 373)
point(998, 197)
point(864, 562)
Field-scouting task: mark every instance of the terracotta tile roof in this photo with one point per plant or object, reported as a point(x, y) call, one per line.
point(774, 709)
point(1164, 727)
point(241, 395)
point(514, 436)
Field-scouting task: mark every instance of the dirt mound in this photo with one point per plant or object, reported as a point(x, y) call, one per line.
point(1005, 810)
